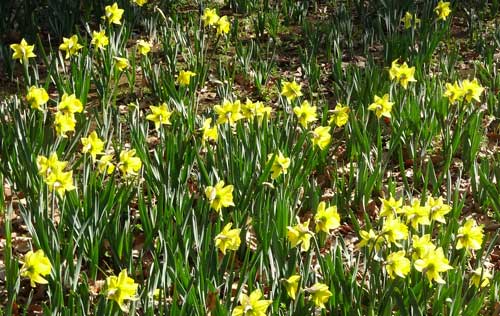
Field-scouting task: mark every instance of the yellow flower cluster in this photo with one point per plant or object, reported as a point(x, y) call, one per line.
point(319, 293)
point(64, 119)
point(51, 169)
point(426, 256)
point(211, 18)
point(231, 112)
point(325, 219)
point(410, 20)
point(465, 90)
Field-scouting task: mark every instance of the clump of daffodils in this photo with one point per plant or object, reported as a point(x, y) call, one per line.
point(326, 219)
point(211, 18)
point(64, 119)
point(51, 169)
point(400, 244)
point(465, 90)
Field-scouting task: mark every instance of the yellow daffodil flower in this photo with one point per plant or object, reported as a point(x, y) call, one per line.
point(438, 209)
point(129, 163)
point(184, 77)
point(319, 294)
point(481, 277)
point(99, 39)
point(453, 92)
point(143, 47)
point(209, 133)
point(37, 97)
point(228, 239)
point(228, 112)
point(442, 10)
point(93, 145)
point(410, 19)
point(113, 14)
point(326, 218)
point(371, 239)
point(305, 113)
point(220, 196)
point(160, 115)
point(417, 214)
point(292, 285)
point(280, 165)
point(222, 25)
point(36, 265)
point(252, 305)
point(60, 181)
point(209, 17)
point(321, 137)
point(340, 115)
point(397, 264)
point(470, 235)
point(433, 263)
point(300, 235)
point(251, 110)
point(140, 2)
point(121, 63)
point(47, 165)
point(402, 73)
point(394, 230)
point(104, 164)
point(291, 90)
point(472, 90)
point(382, 106)
point(120, 288)
point(69, 104)
point(22, 51)
point(64, 123)
point(70, 46)
point(391, 207)
point(421, 245)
